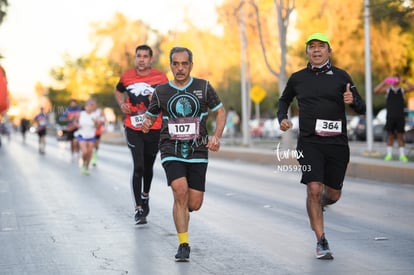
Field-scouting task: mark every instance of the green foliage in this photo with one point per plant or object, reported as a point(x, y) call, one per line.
point(217, 57)
point(3, 11)
point(96, 74)
point(4, 4)
point(59, 99)
point(229, 89)
point(398, 12)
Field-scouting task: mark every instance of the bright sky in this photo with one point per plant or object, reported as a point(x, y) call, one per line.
point(36, 34)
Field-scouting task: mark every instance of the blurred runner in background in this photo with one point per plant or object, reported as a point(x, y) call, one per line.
point(41, 120)
point(100, 127)
point(68, 118)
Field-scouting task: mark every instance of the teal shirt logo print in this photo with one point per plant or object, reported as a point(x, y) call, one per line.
point(183, 107)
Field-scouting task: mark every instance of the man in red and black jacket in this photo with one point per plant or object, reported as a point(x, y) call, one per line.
point(133, 94)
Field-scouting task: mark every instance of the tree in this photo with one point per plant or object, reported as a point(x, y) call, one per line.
point(397, 12)
point(96, 74)
point(3, 11)
point(392, 41)
point(386, 36)
point(85, 77)
point(263, 59)
point(59, 99)
point(4, 4)
point(393, 21)
point(270, 24)
point(118, 38)
point(261, 19)
point(342, 21)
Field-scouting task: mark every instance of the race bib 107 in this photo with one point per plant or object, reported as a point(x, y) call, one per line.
point(184, 128)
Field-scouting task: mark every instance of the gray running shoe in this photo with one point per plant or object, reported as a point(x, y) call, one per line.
point(322, 249)
point(139, 216)
point(183, 253)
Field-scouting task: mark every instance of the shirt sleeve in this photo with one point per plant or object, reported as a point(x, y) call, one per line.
point(154, 108)
point(285, 100)
point(213, 100)
point(120, 87)
point(358, 105)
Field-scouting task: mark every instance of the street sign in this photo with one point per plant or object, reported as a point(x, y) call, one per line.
point(257, 94)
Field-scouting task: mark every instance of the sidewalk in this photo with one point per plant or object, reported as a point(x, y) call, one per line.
point(362, 165)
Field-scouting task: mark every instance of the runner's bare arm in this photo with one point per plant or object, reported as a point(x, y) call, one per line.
point(214, 141)
point(120, 99)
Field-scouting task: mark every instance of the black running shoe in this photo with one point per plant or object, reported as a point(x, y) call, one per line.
point(183, 253)
point(322, 249)
point(145, 205)
point(139, 216)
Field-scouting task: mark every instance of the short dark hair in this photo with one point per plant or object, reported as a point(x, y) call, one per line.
point(143, 48)
point(181, 49)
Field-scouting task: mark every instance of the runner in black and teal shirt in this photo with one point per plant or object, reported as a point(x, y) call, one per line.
point(185, 103)
point(184, 129)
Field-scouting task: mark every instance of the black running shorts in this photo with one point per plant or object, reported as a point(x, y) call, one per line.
point(325, 163)
point(395, 125)
point(142, 143)
point(70, 135)
point(194, 172)
point(41, 132)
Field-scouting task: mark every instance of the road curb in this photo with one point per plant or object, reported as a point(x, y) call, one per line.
point(381, 172)
point(358, 167)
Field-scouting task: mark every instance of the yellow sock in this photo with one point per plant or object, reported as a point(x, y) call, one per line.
point(183, 237)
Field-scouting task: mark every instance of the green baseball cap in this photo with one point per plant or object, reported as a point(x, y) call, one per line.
point(318, 36)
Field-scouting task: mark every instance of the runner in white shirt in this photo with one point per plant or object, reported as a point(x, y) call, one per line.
point(86, 123)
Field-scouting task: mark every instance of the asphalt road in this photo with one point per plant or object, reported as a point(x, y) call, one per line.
point(53, 220)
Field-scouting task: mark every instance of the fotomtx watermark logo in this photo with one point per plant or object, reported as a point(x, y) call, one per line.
point(285, 157)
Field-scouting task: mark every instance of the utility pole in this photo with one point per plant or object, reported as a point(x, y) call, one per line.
point(368, 79)
point(244, 94)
